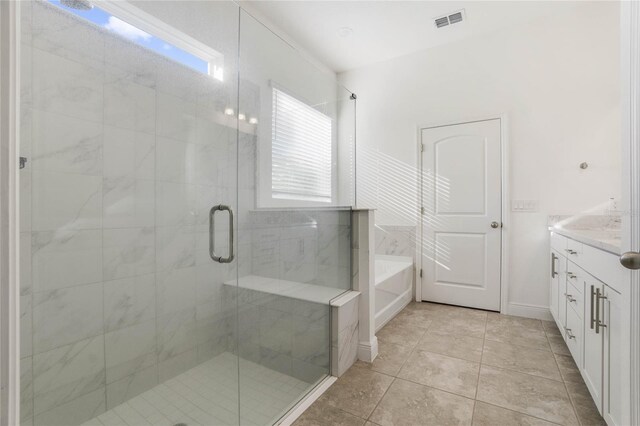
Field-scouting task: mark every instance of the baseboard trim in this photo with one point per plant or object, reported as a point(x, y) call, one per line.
point(368, 351)
point(529, 311)
point(310, 398)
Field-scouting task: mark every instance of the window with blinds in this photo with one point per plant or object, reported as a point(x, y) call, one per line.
point(300, 151)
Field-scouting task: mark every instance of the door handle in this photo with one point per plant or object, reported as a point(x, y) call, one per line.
point(495, 224)
point(553, 265)
point(630, 260)
point(212, 234)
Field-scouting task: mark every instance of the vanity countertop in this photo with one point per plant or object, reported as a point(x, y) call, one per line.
point(604, 240)
point(602, 232)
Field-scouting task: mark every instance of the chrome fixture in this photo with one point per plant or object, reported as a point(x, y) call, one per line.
point(593, 301)
point(584, 165)
point(553, 265)
point(212, 234)
point(495, 224)
point(630, 260)
point(598, 321)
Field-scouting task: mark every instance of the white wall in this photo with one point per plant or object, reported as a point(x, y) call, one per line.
point(556, 78)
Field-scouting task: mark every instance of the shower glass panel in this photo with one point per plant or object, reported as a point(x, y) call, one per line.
point(296, 141)
point(128, 148)
point(163, 280)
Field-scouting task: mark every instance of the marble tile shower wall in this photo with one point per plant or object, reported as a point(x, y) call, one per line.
point(286, 335)
point(127, 152)
point(307, 246)
point(396, 240)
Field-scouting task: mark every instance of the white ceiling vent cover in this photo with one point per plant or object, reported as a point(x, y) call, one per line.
point(451, 19)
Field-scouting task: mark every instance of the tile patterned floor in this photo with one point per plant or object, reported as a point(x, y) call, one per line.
point(443, 365)
point(208, 395)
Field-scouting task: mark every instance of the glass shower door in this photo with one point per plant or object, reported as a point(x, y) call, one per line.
point(295, 164)
point(130, 142)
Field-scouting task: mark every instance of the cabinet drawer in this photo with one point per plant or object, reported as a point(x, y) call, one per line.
point(576, 276)
point(559, 243)
point(575, 298)
point(574, 251)
point(604, 266)
point(573, 335)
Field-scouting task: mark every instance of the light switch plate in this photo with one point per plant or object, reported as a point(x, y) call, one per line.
point(524, 205)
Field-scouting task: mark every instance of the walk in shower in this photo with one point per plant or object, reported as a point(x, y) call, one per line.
point(181, 235)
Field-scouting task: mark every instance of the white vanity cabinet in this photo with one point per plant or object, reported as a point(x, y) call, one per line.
point(592, 368)
point(590, 304)
point(555, 284)
point(616, 361)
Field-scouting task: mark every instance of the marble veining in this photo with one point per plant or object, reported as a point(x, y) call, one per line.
point(63, 374)
point(395, 240)
point(599, 231)
point(128, 152)
point(66, 315)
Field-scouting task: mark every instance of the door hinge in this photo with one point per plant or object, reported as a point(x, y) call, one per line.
point(421, 273)
point(421, 147)
point(421, 210)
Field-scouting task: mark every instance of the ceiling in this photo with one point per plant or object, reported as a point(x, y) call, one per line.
point(383, 30)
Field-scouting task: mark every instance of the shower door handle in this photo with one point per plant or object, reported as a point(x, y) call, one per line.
point(212, 234)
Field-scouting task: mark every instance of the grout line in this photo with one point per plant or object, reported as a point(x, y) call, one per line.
point(434, 388)
point(484, 339)
point(473, 409)
point(414, 349)
point(517, 412)
point(564, 383)
point(381, 398)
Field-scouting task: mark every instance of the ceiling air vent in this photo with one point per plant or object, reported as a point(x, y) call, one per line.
point(442, 22)
point(451, 19)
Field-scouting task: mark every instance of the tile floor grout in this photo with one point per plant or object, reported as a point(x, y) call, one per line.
point(536, 325)
point(403, 364)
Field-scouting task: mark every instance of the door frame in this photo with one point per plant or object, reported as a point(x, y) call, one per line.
point(630, 114)
point(9, 213)
point(504, 199)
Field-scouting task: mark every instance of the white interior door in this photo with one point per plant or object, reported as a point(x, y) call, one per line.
point(462, 220)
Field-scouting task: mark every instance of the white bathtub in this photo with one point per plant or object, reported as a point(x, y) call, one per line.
point(394, 279)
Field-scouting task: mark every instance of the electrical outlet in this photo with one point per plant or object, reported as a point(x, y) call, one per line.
point(524, 205)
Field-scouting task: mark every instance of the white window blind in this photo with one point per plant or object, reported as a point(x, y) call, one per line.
point(300, 150)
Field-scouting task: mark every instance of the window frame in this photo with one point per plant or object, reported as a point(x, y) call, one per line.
point(148, 23)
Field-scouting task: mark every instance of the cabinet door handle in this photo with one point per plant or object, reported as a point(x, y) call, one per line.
point(569, 297)
point(570, 335)
point(598, 320)
point(570, 251)
point(553, 265)
point(593, 300)
point(571, 275)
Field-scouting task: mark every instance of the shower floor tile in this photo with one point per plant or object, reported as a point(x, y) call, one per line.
point(208, 395)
